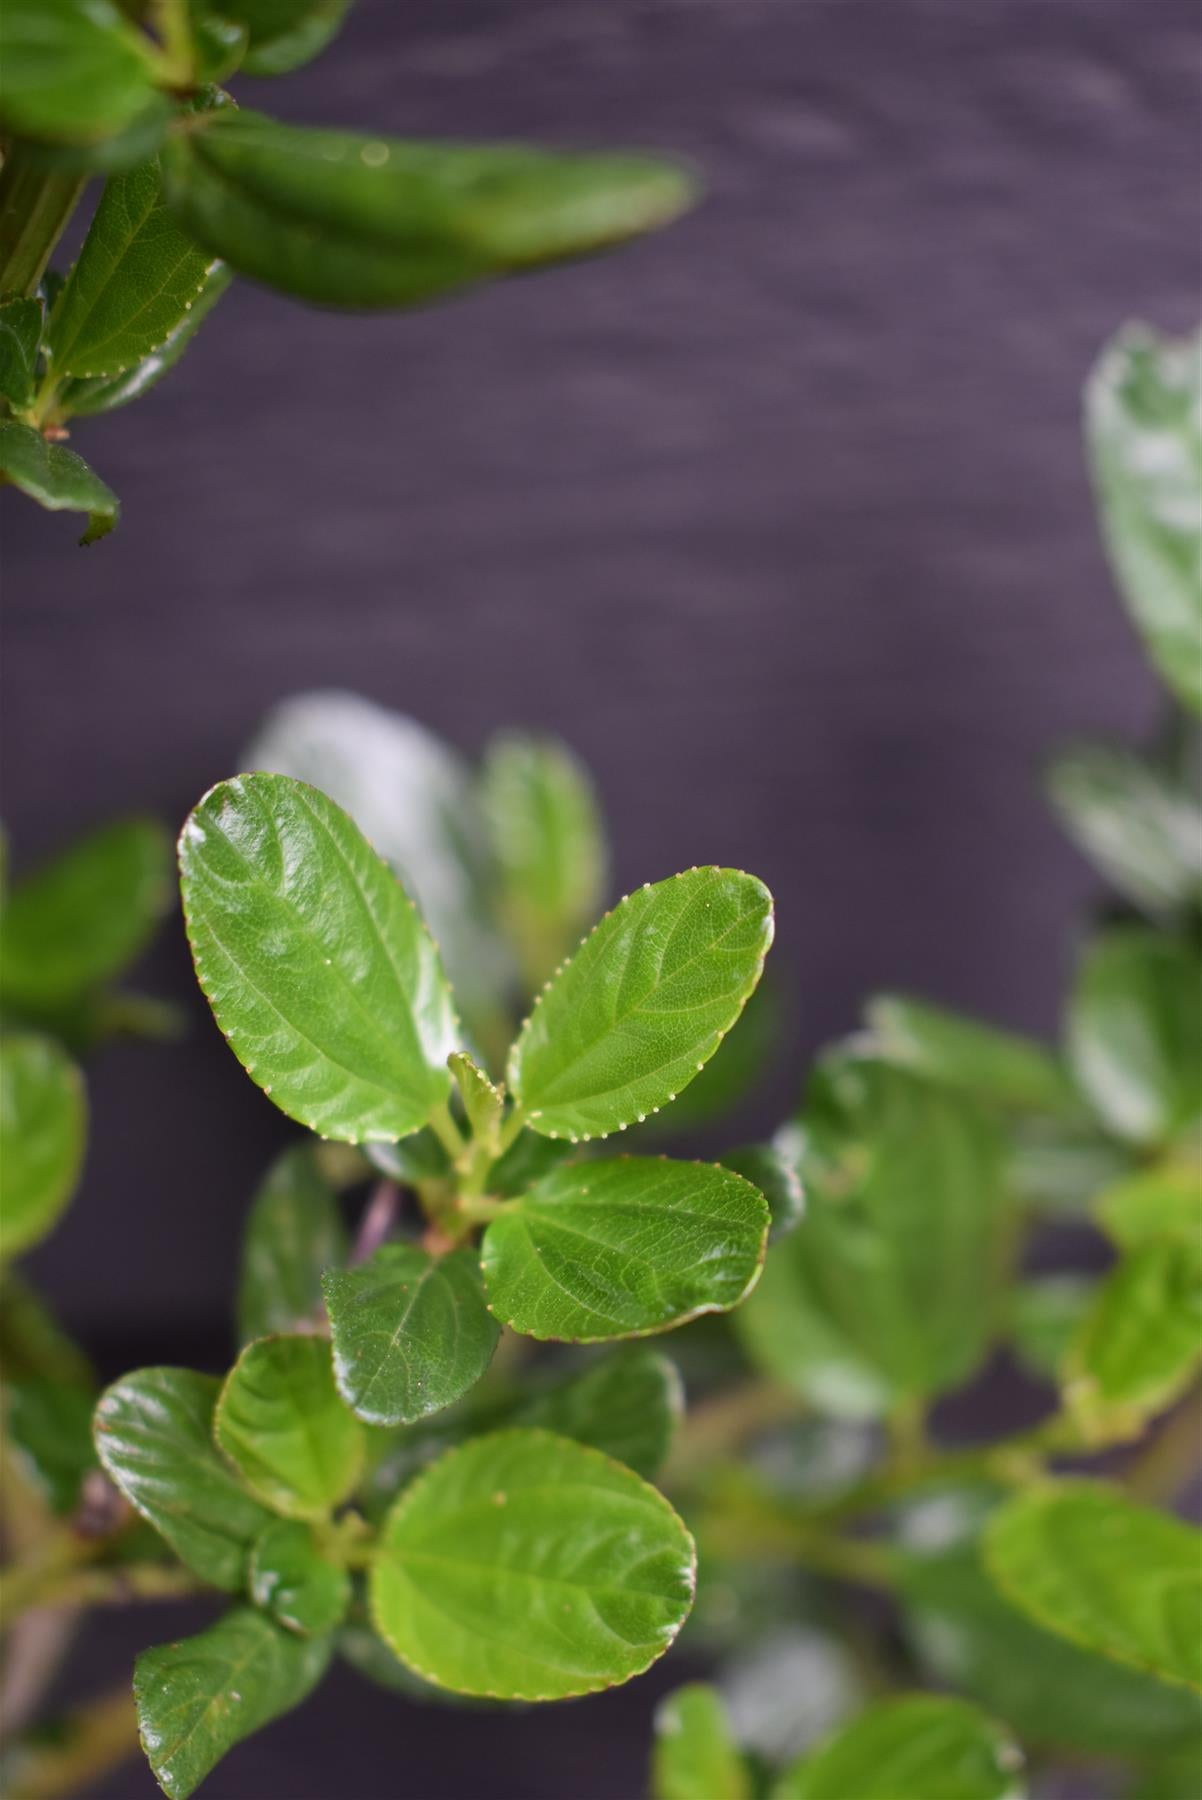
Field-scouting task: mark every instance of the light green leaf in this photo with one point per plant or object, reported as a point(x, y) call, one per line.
point(627, 1405)
point(1118, 1579)
point(1137, 823)
point(999, 1067)
point(199, 1697)
point(1140, 1344)
point(1162, 1202)
point(526, 1567)
point(1044, 1315)
point(617, 1249)
point(82, 918)
point(56, 478)
point(549, 845)
point(316, 965)
point(284, 34)
point(483, 1101)
point(644, 1003)
point(733, 1073)
point(1135, 1033)
point(411, 1332)
point(347, 220)
point(290, 1579)
point(43, 1126)
point(281, 1423)
point(695, 1755)
point(773, 1168)
point(74, 70)
point(154, 1438)
point(1144, 429)
point(294, 1231)
point(20, 334)
point(104, 393)
point(48, 1431)
point(919, 1747)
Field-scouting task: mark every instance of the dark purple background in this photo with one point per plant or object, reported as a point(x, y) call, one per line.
point(780, 518)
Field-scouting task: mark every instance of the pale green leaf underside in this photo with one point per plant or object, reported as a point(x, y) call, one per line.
point(283, 1426)
point(1140, 827)
point(999, 1067)
point(920, 1747)
point(43, 1125)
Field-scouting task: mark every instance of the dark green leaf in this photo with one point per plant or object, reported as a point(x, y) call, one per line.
point(526, 1161)
point(695, 1755)
point(1140, 1344)
point(283, 34)
point(43, 1126)
point(281, 1423)
point(920, 1747)
point(20, 334)
point(318, 969)
point(290, 1579)
point(627, 1405)
point(411, 1332)
point(774, 1170)
point(1045, 1312)
point(197, 1698)
point(998, 1067)
point(56, 478)
point(293, 1233)
point(1163, 1202)
point(154, 1436)
point(1135, 1033)
point(524, 1566)
point(74, 70)
point(346, 220)
point(107, 392)
point(48, 1426)
point(1139, 826)
point(617, 1249)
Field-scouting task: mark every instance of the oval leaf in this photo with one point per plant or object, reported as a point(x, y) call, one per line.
point(56, 478)
point(526, 1567)
point(105, 393)
point(43, 1126)
point(281, 1423)
point(617, 1249)
point(294, 1231)
point(284, 34)
point(316, 965)
point(695, 1754)
point(291, 1580)
point(921, 1747)
point(1135, 1033)
point(1140, 1344)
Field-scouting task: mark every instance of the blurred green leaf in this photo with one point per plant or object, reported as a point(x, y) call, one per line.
point(20, 334)
point(56, 478)
point(294, 1231)
point(627, 1404)
point(696, 1757)
point(1000, 1068)
point(1060, 1165)
point(48, 1426)
point(283, 34)
point(74, 70)
point(1135, 1033)
point(43, 1127)
point(773, 1169)
point(1044, 1314)
point(1141, 828)
point(290, 1579)
point(1140, 1344)
point(1161, 1202)
point(918, 1747)
point(280, 1421)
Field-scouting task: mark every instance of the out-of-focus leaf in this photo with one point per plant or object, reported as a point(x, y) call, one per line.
point(772, 1169)
point(919, 1747)
point(1163, 1202)
point(1140, 827)
point(33, 1345)
point(627, 1404)
point(43, 1125)
point(281, 1423)
point(1060, 1165)
point(56, 478)
point(1044, 1314)
point(20, 334)
point(419, 1157)
point(74, 70)
point(294, 1231)
point(49, 1427)
point(1135, 1033)
point(281, 35)
point(526, 1161)
point(290, 1579)
point(998, 1067)
point(696, 1757)
point(105, 393)
point(1140, 1344)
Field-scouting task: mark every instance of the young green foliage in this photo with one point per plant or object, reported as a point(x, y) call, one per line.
point(280, 1422)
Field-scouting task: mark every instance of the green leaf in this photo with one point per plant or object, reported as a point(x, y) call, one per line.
point(627, 1405)
point(411, 1332)
point(56, 478)
point(74, 70)
point(773, 1169)
point(154, 1438)
point(316, 965)
point(526, 1161)
point(136, 279)
point(1045, 1313)
point(617, 1249)
point(347, 220)
point(48, 1428)
point(998, 1067)
point(1135, 1033)
point(33, 1345)
point(1059, 1165)
point(284, 34)
point(294, 1232)
point(919, 1747)
point(483, 1101)
point(20, 334)
point(1118, 1579)
point(43, 1126)
point(1140, 826)
point(420, 1157)
point(1144, 430)
point(527, 1567)
point(625, 1026)
point(695, 1755)
point(290, 1579)
point(199, 1697)
point(549, 845)
point(732, 1075)
point(1163, 1202)
point(104, 393)
point(281, 1423)
point(82, 918)
point(1140, 1344)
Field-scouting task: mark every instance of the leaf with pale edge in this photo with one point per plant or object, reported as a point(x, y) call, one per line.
point(43, 1126)
point(282, 1424)
point(105, 393)
point(696, 1757)
point(919, 1747)
point(1139, 824)
point(56, 478)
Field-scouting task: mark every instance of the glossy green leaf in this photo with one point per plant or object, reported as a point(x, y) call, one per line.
point(317, 967)
point(483, 1101)
point(290, 1579)
point(1140, 1345)
point(347, 220)
point(294, 1231)
point(772, 1168)
point(1119, 1579)
point(627, 1405)
point(283, 1426)
point(411, 1332)
point(549, 845)
point(1138, 825)
point(56, 478)
point(104, 393)
point(1162, 1202)
point(74, 70)
point(284, 34)
point(643, 1004)
point(696, 1757)
point(616, 1249)
point(198, 1697)
point(82, 918)
point(1135, 1033)
point(20, 334)
point(1001, 1068)
point(1144, 430)
point(48, 1429)
point(1045, 1313)
point(919, 1747)
point(524, 1566)
point(43, 1126)
point(154, 1437)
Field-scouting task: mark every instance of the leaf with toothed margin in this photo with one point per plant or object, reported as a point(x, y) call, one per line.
point(917, 1747)
point(644, 1003)
point(411, 1332)
point(483, 1101)
point(523, 1566)
point(281, 1423)
point(316, 964)
point(618, 1249)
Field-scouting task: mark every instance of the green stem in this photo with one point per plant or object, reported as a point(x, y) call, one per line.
point(442, 1124)
point(35, 205)
point(510, 1129)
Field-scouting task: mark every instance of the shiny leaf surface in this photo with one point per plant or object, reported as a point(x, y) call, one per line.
point(20, 333)
point(282, 1424)
point(43, 1125)
point(56, 478)
point(291, 1580)
point(284, 34)
point(104, 393)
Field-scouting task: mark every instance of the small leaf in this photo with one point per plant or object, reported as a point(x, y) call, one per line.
point(291, 1580)
point(199, 1697)
point(1135, 1033)
point(627, 1405)
point(919, 1747)
point(526, 1567)
point(316, 965)
point(999, 1067)
point(43, 1125)
point(772, 1169)
point(56, 478)
point(1162, 1202)
point(20, 334)
point(294, 1232)
point(1118, 1579)
point(1045, 1314)
point(617, 1249)
point(695, 1755)
point(643, 1004)
point(1140, 827)
point(48, 1429)
point(1140, 1344)
point(281, 1423)
point(154, 1437)
point(346, 220)
point(74, 70)
point(1144, 425)
point(284, 34)
point(105, 393)
point(411, 1332)
point(483, 1101)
